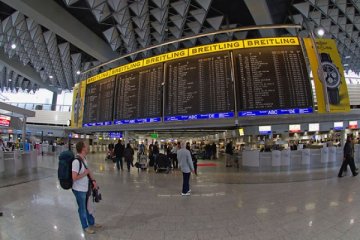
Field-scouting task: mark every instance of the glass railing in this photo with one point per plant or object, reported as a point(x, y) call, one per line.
point(40, 106)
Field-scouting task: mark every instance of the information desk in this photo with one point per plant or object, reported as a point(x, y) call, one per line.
point(285, 160)
point(16, 161)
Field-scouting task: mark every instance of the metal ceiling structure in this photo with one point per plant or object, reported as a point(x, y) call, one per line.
point(57, 39)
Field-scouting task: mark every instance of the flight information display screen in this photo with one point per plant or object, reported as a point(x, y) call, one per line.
point(139, 95)
point(272, 81)
point(199, 88)
point(98, 110)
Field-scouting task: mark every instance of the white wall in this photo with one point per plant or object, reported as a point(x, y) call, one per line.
point(50, 117)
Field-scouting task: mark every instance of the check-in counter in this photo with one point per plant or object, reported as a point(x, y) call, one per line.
point(16, 161)
point(292, 160)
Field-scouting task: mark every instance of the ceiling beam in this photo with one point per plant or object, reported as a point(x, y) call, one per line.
point(52, 16)
point(15, 111)
point(25, 71)
point(260, 12)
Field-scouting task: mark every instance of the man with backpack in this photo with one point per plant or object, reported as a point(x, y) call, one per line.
point(83, 183)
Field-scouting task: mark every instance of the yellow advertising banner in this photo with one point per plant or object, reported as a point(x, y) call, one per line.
point(217, 47)
point(166, 57)
point(77, 110)
point(333, 82)
point(271, 42)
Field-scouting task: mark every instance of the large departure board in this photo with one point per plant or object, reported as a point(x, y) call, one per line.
point(99, 102)
point(199, 87)
point(139, 95)
point(272, 81)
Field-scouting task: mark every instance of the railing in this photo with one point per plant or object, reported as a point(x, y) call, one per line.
point(41, 106)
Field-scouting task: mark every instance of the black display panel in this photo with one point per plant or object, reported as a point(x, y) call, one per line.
point(273, 78)
point(199, 87)
point(139, 95)
point(98, 109)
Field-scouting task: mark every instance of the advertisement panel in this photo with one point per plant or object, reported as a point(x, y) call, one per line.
point(5, 121)
point(332, 84)
point(77, 110)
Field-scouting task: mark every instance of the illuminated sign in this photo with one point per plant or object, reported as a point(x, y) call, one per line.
point(295, 128)
point(353, 124)
point(241, 132)
point(265, 129)
point(5, 121)
point(314, 127)
point(338, 125)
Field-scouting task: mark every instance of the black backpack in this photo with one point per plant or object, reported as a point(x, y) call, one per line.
point(65, 169)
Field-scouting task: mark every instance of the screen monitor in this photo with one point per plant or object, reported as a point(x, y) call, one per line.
point(314, 127)
point(265, 130)
point(338, 125)
point(353, 124)
point(295, 128)
point(5, 121)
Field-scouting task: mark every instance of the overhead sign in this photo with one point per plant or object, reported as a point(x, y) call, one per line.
point(295, 128)
point(154, 135)
point(211, 48)
point(338, 125)
point(265, 130)
point(314, 127)
point(5, 121)
point(353, 124)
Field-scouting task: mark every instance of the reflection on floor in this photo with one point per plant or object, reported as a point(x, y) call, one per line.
point(146, 205)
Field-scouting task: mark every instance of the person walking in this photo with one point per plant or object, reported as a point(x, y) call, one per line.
point(82, 180)
point(119, 154)
point(229, 152)
point(214, 150)
point(129, 156)
point(186, 166)
point(348, 158)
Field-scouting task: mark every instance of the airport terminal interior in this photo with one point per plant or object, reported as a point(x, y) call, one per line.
point(179, 119)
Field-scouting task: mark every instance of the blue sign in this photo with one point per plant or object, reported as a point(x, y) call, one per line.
point(115, 135)
point(107, 123)
point(276, 112)
point(200, 116)
point(137, 121)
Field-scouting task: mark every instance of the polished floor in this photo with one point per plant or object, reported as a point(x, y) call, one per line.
point(148, 205)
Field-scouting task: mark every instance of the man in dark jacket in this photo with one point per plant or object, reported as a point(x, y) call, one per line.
point(348, 157)
point(119, 153)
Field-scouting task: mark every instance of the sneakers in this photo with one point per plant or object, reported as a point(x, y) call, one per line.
point(189, 191)
point(89, 231)
point(355, 174)
point(185, 194)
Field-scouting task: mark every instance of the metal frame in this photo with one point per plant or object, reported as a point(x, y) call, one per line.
point(241, 29)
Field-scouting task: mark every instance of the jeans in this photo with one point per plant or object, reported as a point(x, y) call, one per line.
point(119, 163)
point(186, 185)
point(86, 218)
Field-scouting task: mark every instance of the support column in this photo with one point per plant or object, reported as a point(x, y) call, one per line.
point(126, 137)
point(54, 101)
point(24, 132)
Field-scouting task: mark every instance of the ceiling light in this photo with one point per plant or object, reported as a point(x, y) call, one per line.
point(347, 57)
point(78, 72)
point(345, 65)
point(320, 32)
point(13, 46)
point(10, 80)
point(50, 76)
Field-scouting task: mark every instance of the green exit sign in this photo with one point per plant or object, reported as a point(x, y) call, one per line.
point(154, 135)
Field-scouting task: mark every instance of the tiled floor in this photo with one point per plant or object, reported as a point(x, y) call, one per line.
point(148, 206)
